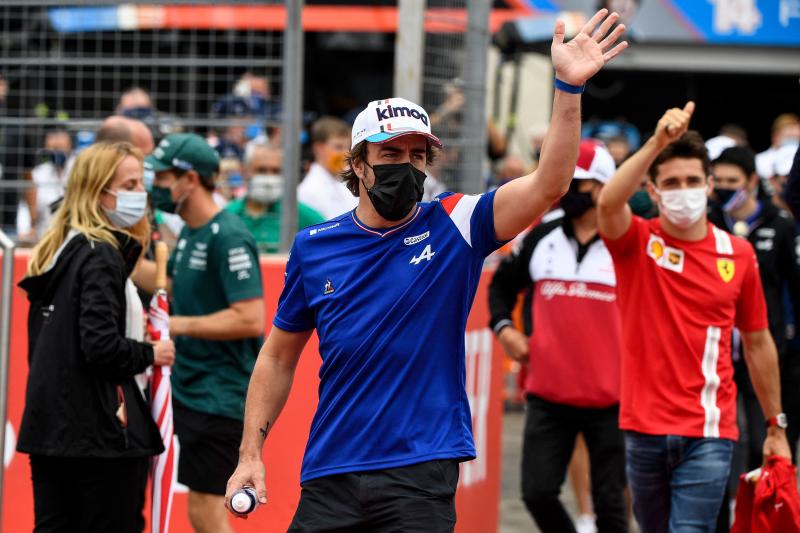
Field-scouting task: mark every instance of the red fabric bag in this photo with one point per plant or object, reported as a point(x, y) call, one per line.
point(770, 503)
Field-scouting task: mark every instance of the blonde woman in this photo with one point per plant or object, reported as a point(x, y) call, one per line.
point(86, 425)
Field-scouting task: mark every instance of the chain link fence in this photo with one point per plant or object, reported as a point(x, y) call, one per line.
point(211, 68)
point(452, 89)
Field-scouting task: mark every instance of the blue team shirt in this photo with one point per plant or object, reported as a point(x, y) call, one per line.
point(390, 307)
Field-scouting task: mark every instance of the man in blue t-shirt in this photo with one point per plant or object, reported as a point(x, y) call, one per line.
point(388, 287)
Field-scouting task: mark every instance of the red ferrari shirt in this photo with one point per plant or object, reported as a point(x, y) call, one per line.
point(679, 302)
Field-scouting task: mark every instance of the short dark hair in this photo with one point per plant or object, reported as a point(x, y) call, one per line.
point(359, 153)
point(690, 145)
point(326, 127)
point(739, 156)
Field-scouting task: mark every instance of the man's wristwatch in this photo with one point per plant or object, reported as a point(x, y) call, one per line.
point(778, 420)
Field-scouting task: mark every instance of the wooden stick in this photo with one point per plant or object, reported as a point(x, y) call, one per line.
point(161, 265)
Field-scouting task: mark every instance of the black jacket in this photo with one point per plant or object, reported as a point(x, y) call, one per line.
point(773, 236)
point(80, 361)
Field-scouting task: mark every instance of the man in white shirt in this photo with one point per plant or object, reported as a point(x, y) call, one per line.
point(785, 131)
point(322, 189)
point(49, 178)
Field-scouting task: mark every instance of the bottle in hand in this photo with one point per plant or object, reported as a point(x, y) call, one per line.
point(244, 500)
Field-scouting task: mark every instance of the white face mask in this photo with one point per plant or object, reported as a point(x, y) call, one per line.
point(131, 206)
point(265, 188)
point(683, 207)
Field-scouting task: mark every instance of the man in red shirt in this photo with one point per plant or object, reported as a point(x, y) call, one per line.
point(682, 286)
point(572, 384)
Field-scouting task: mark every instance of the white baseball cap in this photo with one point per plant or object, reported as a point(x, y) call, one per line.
point(393, 117)
point(594, 162)
point(717, 145)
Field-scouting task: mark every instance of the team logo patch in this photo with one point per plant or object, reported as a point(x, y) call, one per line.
point(665, 256)
point(655, 247)
point(329, 288)
point(726, 269)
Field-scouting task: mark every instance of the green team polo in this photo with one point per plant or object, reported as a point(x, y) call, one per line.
point(212, 267)
point(266, 228)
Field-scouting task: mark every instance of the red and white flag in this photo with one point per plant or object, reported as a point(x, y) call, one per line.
point(163, 467)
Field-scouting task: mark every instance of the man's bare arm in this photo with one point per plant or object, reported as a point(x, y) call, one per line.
point(144, 276)
point(241, 320)
point(761, 357)
point(613, 213)
point(518, 203)
point(266, 395)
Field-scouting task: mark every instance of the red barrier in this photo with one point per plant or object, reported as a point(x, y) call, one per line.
point(478, 494)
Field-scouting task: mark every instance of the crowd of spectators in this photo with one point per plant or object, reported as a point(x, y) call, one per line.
point(750, 200)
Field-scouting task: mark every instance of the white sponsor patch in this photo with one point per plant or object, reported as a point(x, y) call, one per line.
point(237, 251)
point(314, 231)
point(665, 256)
point(239, 261)
point(240, 258)
point(241, 266)
point(197, 264)
point(408, 241)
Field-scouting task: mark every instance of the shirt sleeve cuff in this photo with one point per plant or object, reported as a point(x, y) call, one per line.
point(500, 325)
point(291, 326)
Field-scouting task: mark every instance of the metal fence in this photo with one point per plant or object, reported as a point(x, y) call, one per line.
point(214, 68)
point(454, 84)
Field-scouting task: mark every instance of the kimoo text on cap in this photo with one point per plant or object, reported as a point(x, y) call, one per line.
point(393, 117)
point(594, 162)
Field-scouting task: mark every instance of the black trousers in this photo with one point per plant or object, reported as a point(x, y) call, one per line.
point(412, 499)
point(550, 432)
point(77, 495)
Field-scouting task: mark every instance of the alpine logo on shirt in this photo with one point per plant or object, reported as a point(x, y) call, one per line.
point(426, 255)
point(665, 256)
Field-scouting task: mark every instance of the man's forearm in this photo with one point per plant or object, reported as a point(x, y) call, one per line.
point(628, 177)
point(762, 365)
point(266, 395)
point(519, 202)
point(227, 324)
point(144, 276)
point(559, 151)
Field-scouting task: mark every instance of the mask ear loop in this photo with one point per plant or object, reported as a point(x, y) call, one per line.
point(364, 179)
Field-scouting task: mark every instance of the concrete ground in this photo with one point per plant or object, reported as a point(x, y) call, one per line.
point(514, 518)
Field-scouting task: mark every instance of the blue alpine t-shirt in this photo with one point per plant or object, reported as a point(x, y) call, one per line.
point(390, 307)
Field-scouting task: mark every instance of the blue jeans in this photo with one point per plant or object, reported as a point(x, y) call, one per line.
point(677, 483)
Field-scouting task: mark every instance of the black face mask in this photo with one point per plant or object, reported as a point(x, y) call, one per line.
point(576, 203)
point(397, 188)
point(56, 157)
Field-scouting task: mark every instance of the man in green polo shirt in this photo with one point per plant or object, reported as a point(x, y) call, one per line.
point(218, 321)
point(260, 208)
